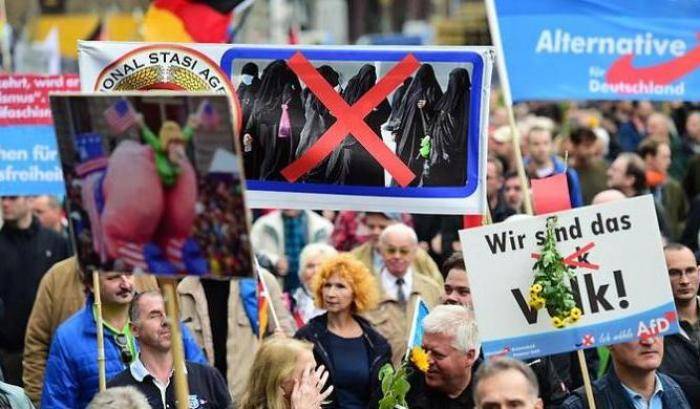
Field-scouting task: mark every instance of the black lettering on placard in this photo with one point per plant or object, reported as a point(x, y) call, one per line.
point(599, 300)
point(500, 242)
point(610, 224)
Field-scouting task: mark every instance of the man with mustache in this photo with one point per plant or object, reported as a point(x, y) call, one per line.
point(633, 381)
point(152, 372)
point(683, 350)
point(71, 378)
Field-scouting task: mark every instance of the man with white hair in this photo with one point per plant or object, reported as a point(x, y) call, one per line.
point(451, 338)
point(400, 288)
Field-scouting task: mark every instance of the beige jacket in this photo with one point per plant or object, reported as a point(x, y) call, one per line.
point(241, 342)
point(61, 294)
point(394, 322)
point(423, 264)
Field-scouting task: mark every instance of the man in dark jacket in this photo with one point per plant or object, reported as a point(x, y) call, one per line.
point(633, 380)
point(316, 331)
point(151, 373)
point(682, 358)
point(27, 251)
point(451, 338)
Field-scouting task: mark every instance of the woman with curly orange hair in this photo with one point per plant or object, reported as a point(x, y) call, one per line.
point(344, 342)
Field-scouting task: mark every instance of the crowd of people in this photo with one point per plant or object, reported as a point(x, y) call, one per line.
point(343, 287)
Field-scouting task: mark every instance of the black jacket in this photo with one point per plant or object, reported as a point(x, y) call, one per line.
point(207, 388)
point(420, 396)
point(25, 256)
point(682, 363)
point(316, 332)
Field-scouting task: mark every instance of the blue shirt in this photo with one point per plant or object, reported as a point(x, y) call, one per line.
point(350, 358)
point(641, 403)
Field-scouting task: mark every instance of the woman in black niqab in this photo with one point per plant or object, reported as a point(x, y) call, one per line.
point(352, 164)
point(447, 162)
point(272, 132)
point(413, 120)
point(318, 120)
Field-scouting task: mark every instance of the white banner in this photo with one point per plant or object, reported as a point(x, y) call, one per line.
point(424, 152)
point(620, 284)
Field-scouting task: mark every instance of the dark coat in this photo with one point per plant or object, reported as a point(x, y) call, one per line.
point(316, 332)
point(609, 393)
point(682, 363)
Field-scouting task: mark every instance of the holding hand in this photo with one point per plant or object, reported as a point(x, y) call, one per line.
point(421, 103)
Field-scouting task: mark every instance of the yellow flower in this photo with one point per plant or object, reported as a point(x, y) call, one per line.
point(536, 288)
point(537, 302)
point(575, 313)
point(558, 322)
point(420, 358)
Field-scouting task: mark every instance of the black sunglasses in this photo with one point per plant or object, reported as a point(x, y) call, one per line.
point(123, 343)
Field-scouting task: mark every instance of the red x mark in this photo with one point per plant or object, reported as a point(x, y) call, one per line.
point(572, 259)
point(588, 340)
point(350, 119)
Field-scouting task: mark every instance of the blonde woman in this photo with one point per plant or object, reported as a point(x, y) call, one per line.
point(343, 341)
point(283, 377)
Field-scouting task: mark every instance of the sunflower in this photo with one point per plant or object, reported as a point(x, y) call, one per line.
point(420, 358)
point(558, 322)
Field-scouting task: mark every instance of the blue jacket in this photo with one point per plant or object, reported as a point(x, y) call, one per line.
point(572, 179)
point(609, 393)
point(71, 378)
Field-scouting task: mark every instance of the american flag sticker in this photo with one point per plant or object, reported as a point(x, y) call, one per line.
point(120, 116)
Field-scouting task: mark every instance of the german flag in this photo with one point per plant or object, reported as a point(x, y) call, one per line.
point(204, 21)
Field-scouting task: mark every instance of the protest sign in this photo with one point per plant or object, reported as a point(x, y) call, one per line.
point(374, 129)
point(151, 190)
point(620, 281)
point(599, 50)
point(29, 163)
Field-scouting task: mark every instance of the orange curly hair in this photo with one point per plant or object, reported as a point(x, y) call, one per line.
point(360, 279)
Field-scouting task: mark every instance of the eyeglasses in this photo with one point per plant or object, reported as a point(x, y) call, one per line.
point(677, 272)
point(400, 250)
point(123, 343)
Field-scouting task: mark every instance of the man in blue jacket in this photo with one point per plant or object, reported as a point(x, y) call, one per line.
point(542, 163)
point(71, 377)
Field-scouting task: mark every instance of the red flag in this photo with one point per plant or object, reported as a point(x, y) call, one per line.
point(551, 194)
point(177, 20)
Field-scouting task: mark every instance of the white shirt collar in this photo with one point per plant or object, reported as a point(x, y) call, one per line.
point(389, 283)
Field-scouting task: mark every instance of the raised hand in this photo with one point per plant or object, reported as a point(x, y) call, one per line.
point(308, 392)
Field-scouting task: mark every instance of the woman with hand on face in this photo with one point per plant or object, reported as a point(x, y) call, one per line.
point(283, 376)
point(344, 342)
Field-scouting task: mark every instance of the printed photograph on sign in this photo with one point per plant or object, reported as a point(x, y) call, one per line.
point(362, 128)
point(414, 133)
point(153, 184)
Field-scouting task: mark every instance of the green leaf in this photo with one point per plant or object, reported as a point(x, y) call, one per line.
point(401, 387)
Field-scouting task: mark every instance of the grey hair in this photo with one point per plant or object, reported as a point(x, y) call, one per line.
point(122, 397)
point(398, 228)
point(135, 308)
point(314, 250)
point(499, 365)
point(455, 321)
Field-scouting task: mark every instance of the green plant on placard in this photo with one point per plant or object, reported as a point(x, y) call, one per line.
point(425, 146)
point(551, 288)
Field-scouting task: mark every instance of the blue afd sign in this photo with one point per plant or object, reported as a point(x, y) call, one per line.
point(599, 49)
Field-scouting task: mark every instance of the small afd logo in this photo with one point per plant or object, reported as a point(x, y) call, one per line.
point(163, 67)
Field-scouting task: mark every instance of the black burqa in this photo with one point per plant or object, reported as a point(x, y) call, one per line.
point(412, 123)
point(352, 164)
point(318, 120)
point(273, 146)
point(396, 102)
point(447, 162)
point(246, 97)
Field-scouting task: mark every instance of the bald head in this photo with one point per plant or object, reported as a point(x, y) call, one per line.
point(398, 244)
point(607, 196)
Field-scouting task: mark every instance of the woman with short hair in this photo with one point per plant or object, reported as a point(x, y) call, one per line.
point(344, 342)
